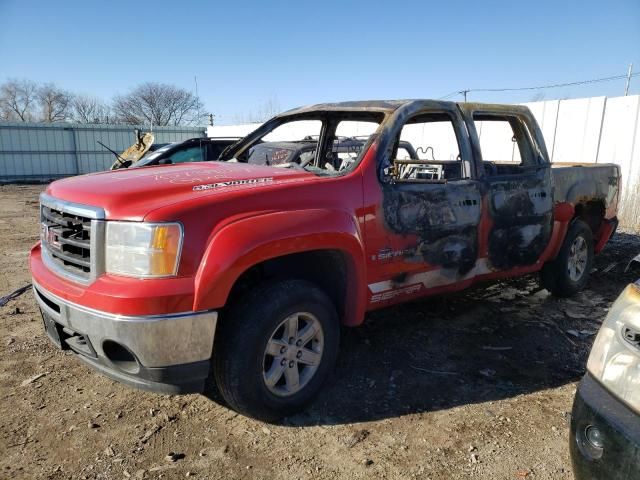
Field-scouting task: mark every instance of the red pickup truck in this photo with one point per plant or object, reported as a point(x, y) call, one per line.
point(162, 276)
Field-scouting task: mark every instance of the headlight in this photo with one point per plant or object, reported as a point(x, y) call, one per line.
point(615, 356)
point(140, 249)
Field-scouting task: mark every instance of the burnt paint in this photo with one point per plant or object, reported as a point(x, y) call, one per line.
point(521, 210)
point(444, 217)
point(520, 199)
point(586, 183)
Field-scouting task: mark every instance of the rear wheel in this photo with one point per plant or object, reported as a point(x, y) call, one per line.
point(275, 350)
point(570, 270)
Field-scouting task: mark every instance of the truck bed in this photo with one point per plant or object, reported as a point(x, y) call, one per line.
point(585, 182)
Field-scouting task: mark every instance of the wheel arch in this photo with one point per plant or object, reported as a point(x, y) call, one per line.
point(594, 214)
point(321, 246)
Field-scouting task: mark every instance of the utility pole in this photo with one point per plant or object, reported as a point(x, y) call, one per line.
point(629, 72)
point(195, 80)
point(464, 92)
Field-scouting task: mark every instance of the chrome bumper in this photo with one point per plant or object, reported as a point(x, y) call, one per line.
point(167, 353)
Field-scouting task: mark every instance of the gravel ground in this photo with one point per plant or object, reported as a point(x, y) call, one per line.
point(472, 385)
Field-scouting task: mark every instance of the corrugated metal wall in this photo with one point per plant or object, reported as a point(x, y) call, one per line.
point(40, 152)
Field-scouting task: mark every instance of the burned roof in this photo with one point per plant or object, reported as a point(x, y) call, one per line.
point(360, 105)
point(388, 106)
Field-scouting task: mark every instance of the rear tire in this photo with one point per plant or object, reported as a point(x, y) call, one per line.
point(569, 272)
point(276, 348)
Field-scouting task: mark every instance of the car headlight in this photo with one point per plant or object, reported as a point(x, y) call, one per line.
point(139, 249)
point(615, 356)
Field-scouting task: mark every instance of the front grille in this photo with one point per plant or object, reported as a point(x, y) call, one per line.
point(67, 237)
point(68, 234)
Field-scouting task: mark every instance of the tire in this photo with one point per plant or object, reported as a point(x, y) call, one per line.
point(242, 365)
point(569, 272)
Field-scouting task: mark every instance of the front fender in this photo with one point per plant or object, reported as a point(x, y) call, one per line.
point(247, 242)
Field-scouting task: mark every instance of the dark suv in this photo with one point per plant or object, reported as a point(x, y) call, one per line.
point(192, 150)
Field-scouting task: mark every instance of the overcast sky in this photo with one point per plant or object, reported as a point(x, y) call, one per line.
point(245, 54)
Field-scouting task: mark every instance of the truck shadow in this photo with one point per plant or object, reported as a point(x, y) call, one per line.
point(485, 344)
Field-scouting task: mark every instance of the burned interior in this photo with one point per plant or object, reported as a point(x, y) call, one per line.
point(326, 142)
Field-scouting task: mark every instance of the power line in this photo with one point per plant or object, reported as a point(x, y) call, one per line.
point(595, 80)
point(449, 95)
point(540, 87)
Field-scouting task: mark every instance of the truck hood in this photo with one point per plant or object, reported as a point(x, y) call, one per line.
point(131, 194)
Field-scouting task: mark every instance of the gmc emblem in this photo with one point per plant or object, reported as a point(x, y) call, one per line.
point(50, 236)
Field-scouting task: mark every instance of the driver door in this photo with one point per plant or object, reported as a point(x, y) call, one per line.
point(425, 232)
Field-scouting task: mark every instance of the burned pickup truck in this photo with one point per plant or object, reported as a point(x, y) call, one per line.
point(160, 277)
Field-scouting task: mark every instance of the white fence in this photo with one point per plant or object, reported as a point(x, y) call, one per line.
point(589, 130)
point(597, 130)
point(41, 152)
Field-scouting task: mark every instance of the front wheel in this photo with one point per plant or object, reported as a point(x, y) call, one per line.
point(276, 348)
point(569, 272)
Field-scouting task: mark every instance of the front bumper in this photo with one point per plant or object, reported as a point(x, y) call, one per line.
point(620, 427)
point(162, 353)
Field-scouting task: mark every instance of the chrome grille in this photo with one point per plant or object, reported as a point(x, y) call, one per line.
point(69, 235)
point(68, 239)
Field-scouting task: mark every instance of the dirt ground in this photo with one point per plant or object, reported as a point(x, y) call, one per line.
point(474, 385)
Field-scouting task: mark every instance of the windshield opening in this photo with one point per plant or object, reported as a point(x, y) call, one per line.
point(330, 144)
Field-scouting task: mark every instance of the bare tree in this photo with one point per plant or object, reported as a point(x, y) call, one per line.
point(87, 109)
point(17, 100)
point(149, 103)
point(158, 104)
point(55, 103)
